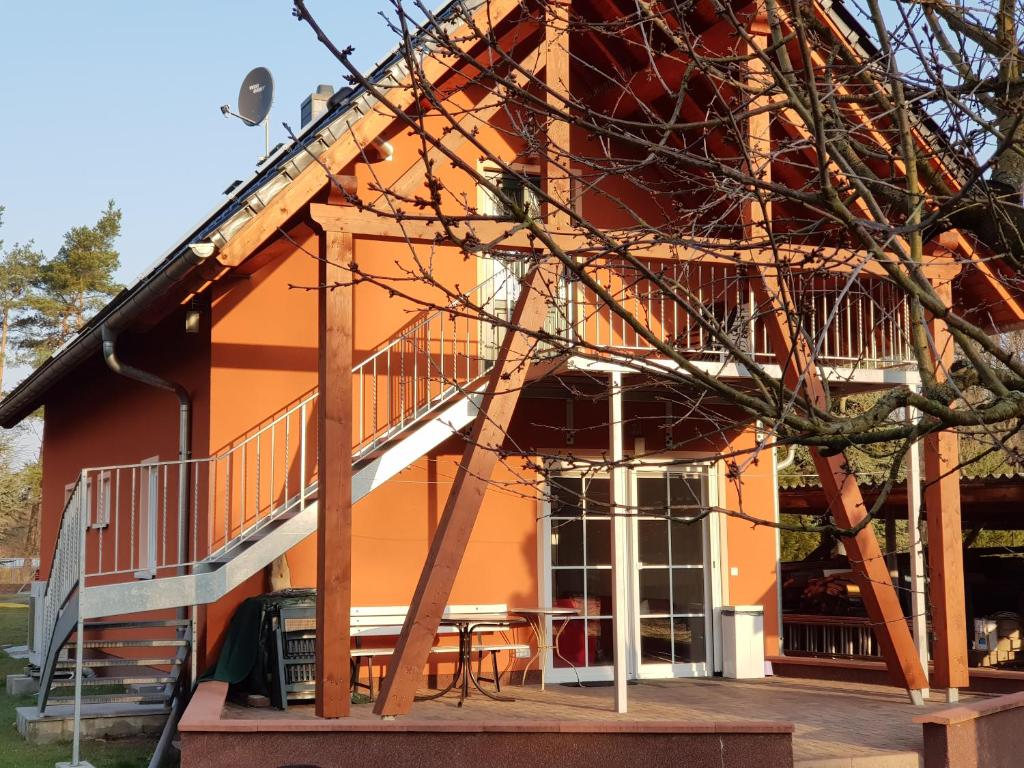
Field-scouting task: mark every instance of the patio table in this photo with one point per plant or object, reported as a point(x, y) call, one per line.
point(469, 624)
point(537, 619)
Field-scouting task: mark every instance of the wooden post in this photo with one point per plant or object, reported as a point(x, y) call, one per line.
point(945, 542)
point(460, 512)
point(846, 504)
point(557, 183)
point(334, 450)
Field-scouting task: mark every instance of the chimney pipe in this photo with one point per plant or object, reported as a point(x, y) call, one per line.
point(316, 104)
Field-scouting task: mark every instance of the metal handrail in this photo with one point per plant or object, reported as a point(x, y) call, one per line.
point(65, 568)
point(128, 510)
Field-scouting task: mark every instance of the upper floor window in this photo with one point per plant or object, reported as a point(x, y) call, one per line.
point(522, 187)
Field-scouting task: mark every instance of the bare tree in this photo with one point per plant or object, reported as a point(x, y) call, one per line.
point(746, 185)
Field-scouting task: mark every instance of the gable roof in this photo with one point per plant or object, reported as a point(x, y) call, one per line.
point(248, 199)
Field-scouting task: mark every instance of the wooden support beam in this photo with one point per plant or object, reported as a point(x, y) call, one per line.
point(846, 504)
point(456, 524)
point(334, 510)
point(501, 235)
point(800, 374)
point(945, 542)
point(557, 161)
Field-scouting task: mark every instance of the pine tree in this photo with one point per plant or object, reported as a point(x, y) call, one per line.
point(71, 287)
point(19, 268)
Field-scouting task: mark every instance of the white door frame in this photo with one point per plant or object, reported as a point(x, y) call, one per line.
point(713, 579)
point(712, 597)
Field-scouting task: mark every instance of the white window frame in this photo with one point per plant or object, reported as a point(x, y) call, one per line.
point(486, 204)
point(716, 569)
point(69, 490)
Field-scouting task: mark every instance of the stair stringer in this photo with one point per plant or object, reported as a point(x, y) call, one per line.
point(206, 587)
point(67, 622)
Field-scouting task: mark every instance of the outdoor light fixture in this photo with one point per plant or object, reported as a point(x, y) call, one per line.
point(192, 321)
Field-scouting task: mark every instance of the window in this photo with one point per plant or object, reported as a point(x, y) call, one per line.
point(521, 186)
point(69, 491)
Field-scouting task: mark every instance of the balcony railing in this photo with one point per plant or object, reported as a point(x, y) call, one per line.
point(856, 322)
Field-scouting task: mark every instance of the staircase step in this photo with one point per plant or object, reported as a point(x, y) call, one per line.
point(137, 624)
point(96, 681)
point(128, 644)
point(118, 662)
point(107, 698)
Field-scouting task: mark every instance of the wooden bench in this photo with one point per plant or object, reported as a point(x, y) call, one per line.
point(295, 636)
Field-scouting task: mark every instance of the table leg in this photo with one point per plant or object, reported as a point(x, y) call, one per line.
point(538, 635)
point(558, 636)
point(466, 654)
point(471, 677)
point(456, 677)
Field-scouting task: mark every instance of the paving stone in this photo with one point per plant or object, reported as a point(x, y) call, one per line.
point(16, 651)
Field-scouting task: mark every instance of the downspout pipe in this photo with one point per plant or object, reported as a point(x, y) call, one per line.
point(121, 368)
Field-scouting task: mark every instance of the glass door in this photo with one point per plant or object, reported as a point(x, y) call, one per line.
point(581, 576)
point(669, 537)
point(668, 582)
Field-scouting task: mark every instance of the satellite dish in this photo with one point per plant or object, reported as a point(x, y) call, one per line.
point(255, 96)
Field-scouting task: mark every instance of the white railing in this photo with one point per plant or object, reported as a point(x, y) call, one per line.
point(858, 322)
point(130, 512)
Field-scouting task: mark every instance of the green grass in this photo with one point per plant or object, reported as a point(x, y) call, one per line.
point(15, 752)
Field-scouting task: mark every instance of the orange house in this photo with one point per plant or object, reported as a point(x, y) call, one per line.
point(183, 434)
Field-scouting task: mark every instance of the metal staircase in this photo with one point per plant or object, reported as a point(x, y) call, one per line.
point(118, 553)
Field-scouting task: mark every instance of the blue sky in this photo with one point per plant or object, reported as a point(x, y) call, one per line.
point(121, 100)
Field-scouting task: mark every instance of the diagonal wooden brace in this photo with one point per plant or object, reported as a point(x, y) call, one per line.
point(466, 497)
point(846, 504)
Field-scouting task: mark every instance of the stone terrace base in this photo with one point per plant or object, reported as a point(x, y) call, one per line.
point(536, 745)
point(836, 724)
point(987, 733)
